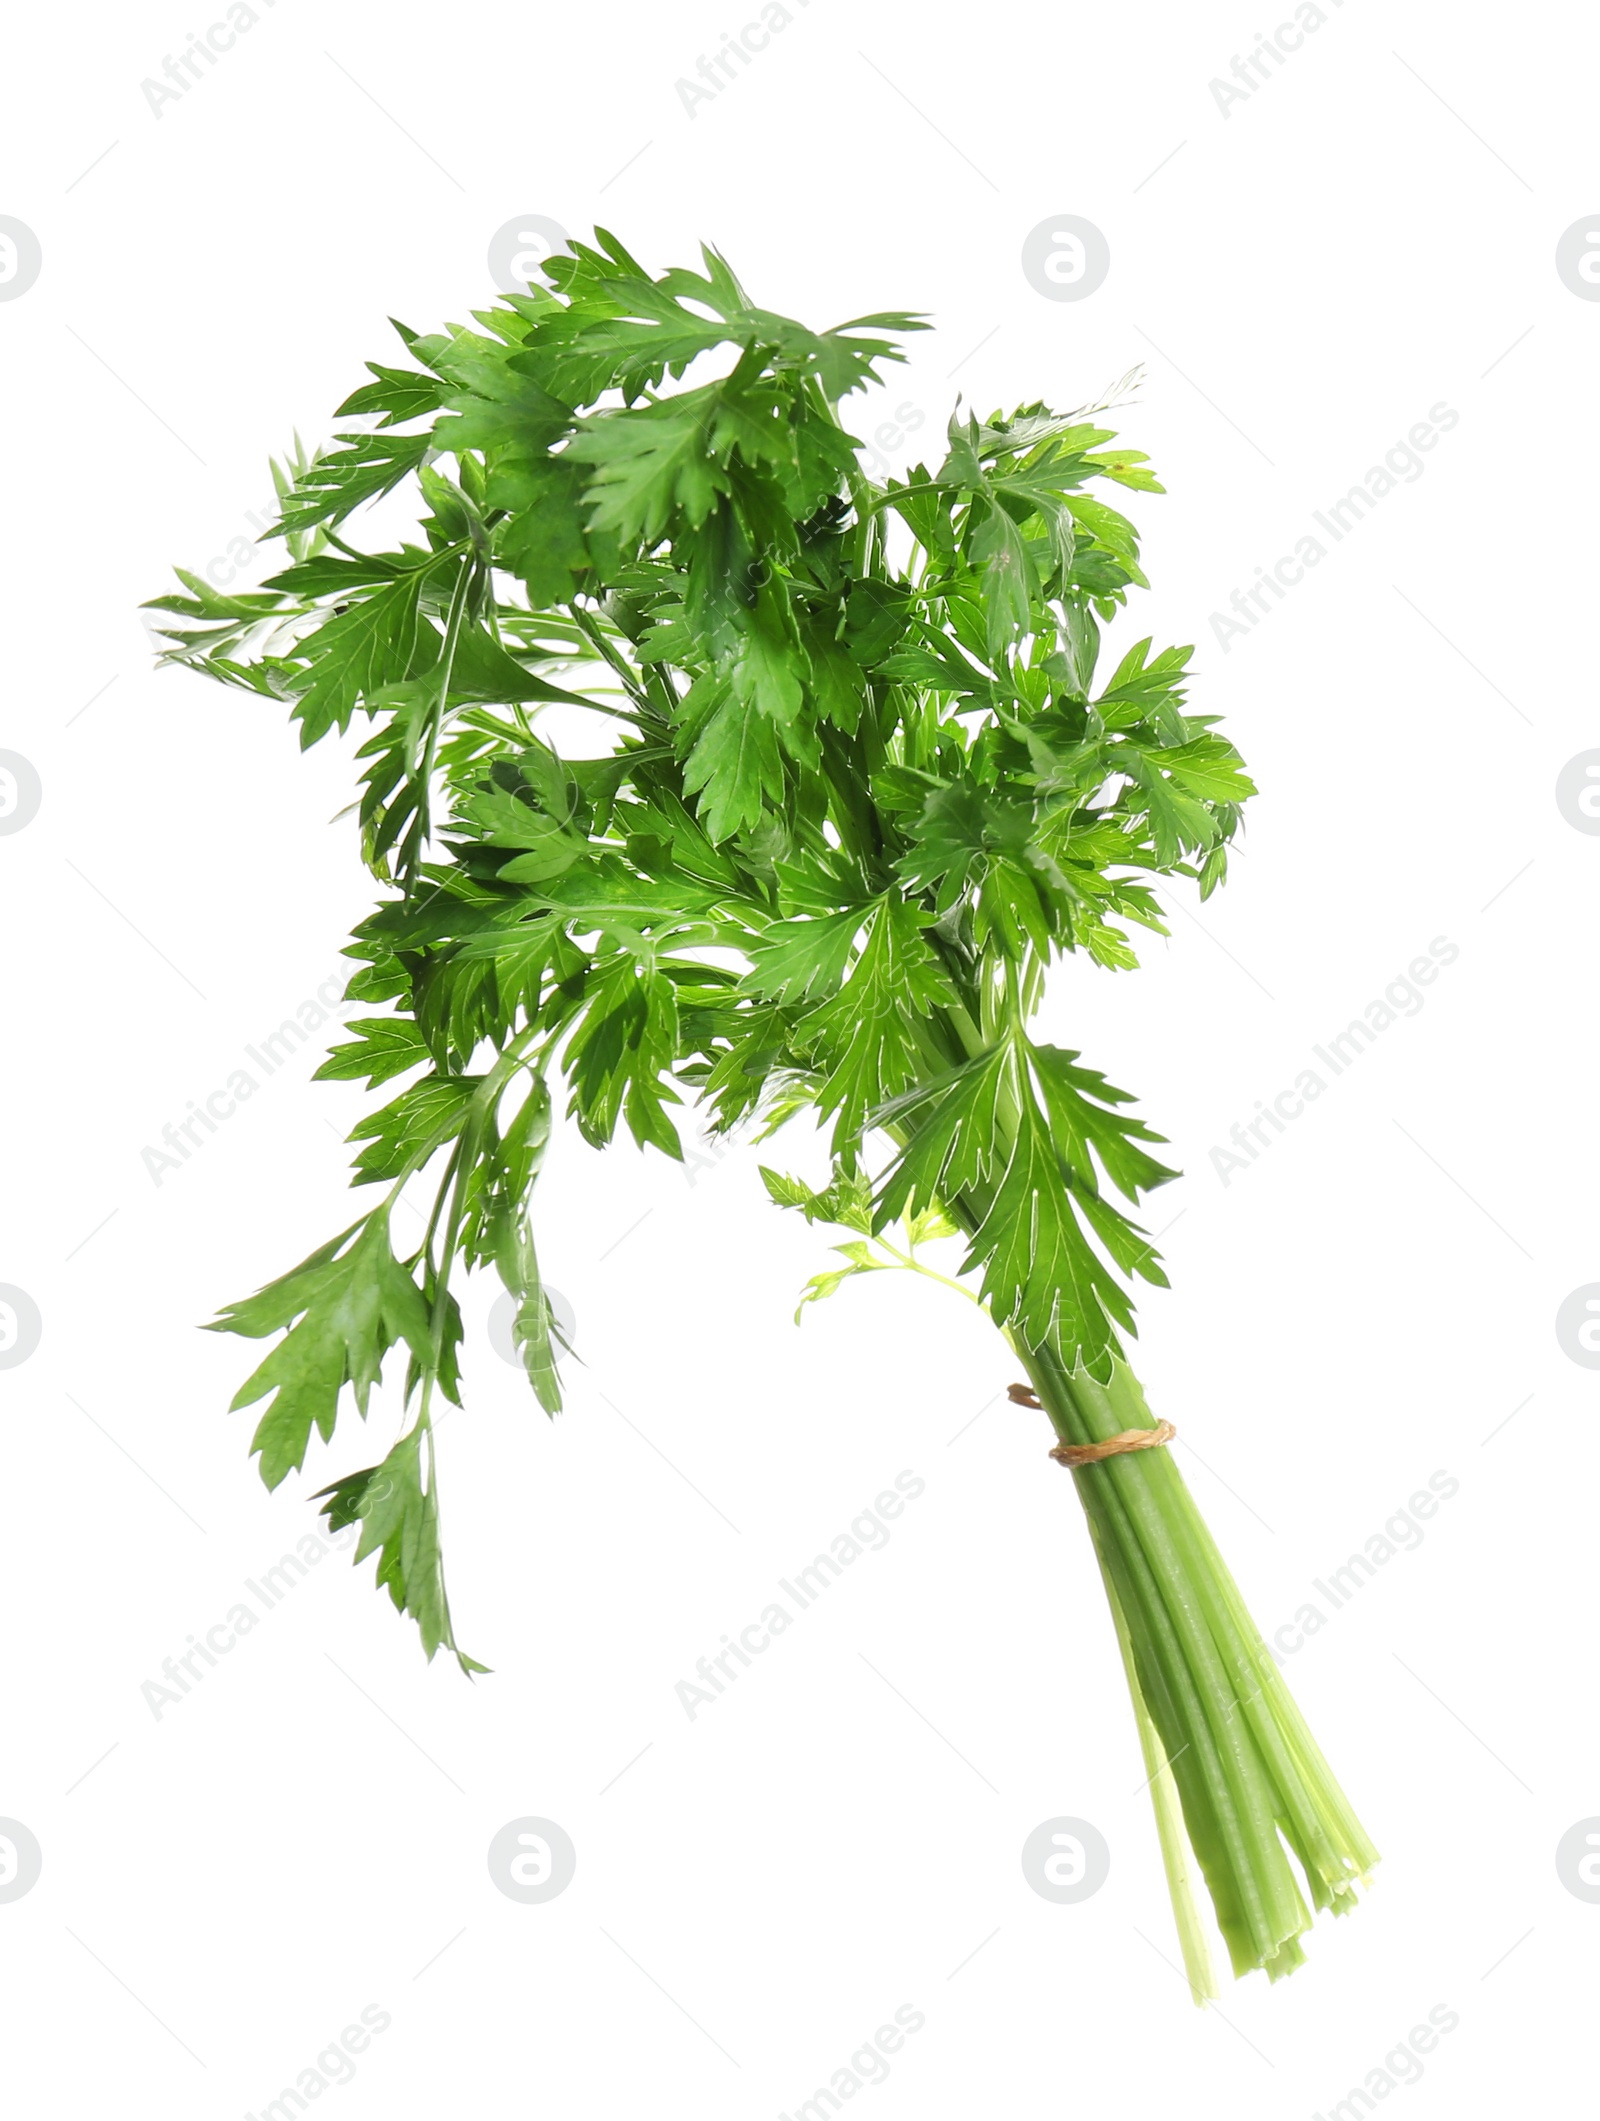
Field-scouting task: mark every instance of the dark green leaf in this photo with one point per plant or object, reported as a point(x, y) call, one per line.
point(353, 1301)
point(399, 1520)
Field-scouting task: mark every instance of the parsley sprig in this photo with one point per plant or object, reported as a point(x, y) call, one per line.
point(856, 782)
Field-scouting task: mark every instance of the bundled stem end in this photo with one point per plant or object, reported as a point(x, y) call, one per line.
point(1238, 1783)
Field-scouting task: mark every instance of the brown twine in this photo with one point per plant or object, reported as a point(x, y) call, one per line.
point(1090, 1454)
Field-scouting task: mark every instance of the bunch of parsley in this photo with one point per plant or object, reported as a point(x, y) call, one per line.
point(853, 788)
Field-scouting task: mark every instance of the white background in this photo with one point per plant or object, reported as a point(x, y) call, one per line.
point(1368, 235)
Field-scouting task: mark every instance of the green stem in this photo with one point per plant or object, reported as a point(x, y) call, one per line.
point(910, 1260)
point(603, 648)
point(1233, 1770)
point(416, 838)
point(1247, 1774)
point(1163, 1787)
point(512, 1056)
